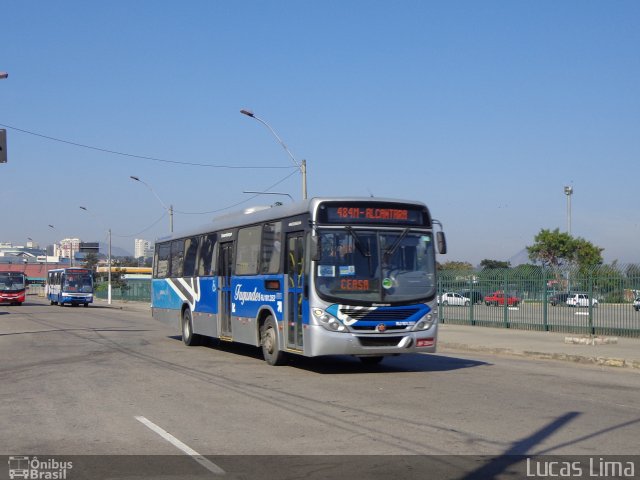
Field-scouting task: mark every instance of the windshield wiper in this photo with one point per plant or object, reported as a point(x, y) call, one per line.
point(357, 241)
point(392, 249)
point(358, 244)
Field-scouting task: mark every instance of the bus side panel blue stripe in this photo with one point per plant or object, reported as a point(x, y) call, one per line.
point(208, 302)
point(163, 296)
point(249, 295)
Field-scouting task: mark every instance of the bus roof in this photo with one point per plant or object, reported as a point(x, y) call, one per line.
point(70, 269)
point(259, 214)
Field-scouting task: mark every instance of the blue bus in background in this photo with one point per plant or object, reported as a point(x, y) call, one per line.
point(71, 285)
point(325, 276)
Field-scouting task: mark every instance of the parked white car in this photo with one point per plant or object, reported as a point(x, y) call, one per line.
point(581, 300)
point(636, 304)
point(451, 298)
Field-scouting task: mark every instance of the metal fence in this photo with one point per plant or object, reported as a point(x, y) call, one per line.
point(138, 290)
point(612, 289)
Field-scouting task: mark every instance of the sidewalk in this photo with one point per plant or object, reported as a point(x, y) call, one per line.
point(621, 352)
point(124, 305)
point(625, 352)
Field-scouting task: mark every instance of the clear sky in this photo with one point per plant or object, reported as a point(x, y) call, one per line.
point(484, 110)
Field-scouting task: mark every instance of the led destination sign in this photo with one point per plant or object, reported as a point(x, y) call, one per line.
point(390, 214)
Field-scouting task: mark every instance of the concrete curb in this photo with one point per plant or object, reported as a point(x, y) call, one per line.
point(120, 305)
point(583, 359)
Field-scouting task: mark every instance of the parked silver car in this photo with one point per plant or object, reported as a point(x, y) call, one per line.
point(451, 298)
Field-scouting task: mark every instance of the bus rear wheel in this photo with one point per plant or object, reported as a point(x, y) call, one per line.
point(188, 337)
point(269, 341)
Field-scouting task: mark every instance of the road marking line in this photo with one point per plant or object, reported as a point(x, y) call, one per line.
point(212, 467)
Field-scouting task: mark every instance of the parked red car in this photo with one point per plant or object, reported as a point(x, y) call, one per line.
point(498, 299)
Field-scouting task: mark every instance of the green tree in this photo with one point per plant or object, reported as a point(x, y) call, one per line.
point(555, 249)
point(486, 263)
point(91, 261)
point(551, 248)
point(128, 262)
point(632, 273)
point(456, 266)
point(586, 254)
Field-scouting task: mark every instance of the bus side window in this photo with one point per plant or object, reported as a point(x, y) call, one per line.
point(164, 252)
point(206, 265)
point(191, 249)
point(177, 254)
point(271, 248)
point(248, 249)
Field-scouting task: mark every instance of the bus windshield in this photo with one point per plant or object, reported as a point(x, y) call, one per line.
point(11, 281)
point(78, 282)
point(375, 266)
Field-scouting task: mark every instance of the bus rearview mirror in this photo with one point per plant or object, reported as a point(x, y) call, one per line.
point(442, 243)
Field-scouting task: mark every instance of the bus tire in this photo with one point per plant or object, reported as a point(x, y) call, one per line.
point(189, 338)
point(86, 305)
point(269, 342)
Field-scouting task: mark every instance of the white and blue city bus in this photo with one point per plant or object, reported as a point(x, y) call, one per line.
point(326, 276)
point(72, 285)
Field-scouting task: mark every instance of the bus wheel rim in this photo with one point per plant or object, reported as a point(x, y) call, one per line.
point(187, 329)
point(269, 340)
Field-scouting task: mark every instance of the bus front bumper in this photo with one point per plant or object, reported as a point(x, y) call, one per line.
point(76, 299)
point(12, 297)
point(325, 342)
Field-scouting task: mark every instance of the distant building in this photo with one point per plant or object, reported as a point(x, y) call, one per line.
point(67, 247)
point(10, 253)
point(143, 248)
point(90, 247)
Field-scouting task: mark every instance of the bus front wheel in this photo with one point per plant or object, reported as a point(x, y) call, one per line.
point(269, 341)
point(188, 337)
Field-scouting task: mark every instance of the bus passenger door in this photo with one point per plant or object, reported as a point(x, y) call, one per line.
point(295, 295)
point(225, 266)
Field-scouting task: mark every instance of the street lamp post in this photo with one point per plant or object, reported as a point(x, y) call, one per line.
point(568, 191)
point(46, 266)
point(46, 270)
point(169, 208)
point(301, 165)
point(108, 259)
point(55, 244)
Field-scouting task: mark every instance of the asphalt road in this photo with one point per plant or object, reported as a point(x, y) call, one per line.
point(94, 381)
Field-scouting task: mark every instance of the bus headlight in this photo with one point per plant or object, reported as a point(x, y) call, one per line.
point(425, 322)
point(328, 321)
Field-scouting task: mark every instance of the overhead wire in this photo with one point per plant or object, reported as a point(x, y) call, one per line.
point(155, 159)
point(164, 214)
point(238, 203)
point(143, 157)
